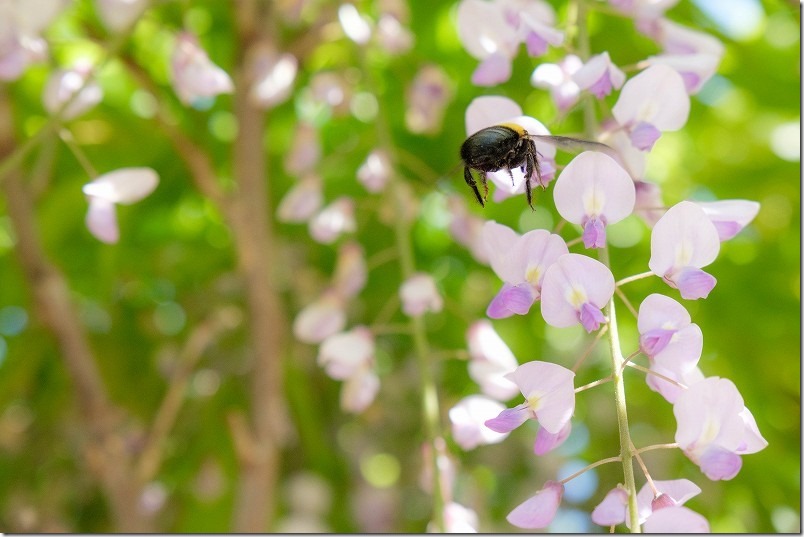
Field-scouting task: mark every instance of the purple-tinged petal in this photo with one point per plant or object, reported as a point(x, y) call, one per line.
point(599, 76)
point(511, 300)
point(101, 220)
point(547, 441)
point(661, 501)
point(676, 520)
point(720, 464)
point(753, 440)
point(602, 86)
point(549, 391)
point(661, 312)
point(644, 135)
point(612, 510)
point(654, 341)
point(677, 491)
point(494, 69)
point(539, 510)
point(535, 45)
point(693, 283)
point(594, 233)
point(483, 29)
point(509, 419)
point(729, 216)
point(569, 283)
point(656, 96)
point(591, 317)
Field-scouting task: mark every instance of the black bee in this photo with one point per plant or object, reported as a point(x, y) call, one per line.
point(508, 146)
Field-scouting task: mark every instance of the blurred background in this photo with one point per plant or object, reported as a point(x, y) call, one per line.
point(156, 384)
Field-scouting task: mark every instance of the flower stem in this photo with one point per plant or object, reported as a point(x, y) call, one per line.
point(617, 360)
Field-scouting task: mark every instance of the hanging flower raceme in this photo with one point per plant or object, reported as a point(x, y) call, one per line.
point(599, 75)
point(575, 290)
point(593, 191)
point(349, 356)
point(123, 187)
point(195, 77)
point(672, 341)
point(490, 360)
point(549, 398)
point(521, 262)
point(715, 428)
point(682, 242)
point(650, 103)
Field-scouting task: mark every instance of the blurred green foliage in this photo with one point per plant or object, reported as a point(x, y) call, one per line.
point(140, 299)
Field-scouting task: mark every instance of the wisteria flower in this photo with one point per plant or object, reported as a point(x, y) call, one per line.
point(302, 201)
point(118, 15)
point(559, 79)
point(420, 295)
point(599, 75)
point(648, 205)
point(21, 26)
point(683, 241)
point(729, 216)
point(491, 110)
point(349, 356)
point(375, 171)
point(538, 511)
point(547, 441)
point(575, 289)
point(549, 398)
point(672, 493)
point(695, 69)
point(612, 510)
point(272, 74)
point(593, 191)
point(195, 77)
point(677, 39)
point(715, 428)
point(676, 519)
point(521, 262)
point(459, 519)
point(652, 102)
point(305, 151)
point(359, 391)
point(349, 277)
point(427, 100)
point(671, 341)
point(468, 417)
point(62, 86)
point(123, 186)
point(490, 360)
point(466, 228)
point(356, 26)
point(333, 221)
point(320, 319)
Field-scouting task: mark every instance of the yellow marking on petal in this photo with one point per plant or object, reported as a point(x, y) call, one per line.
point(533, 274)
point(684, 251)
point(534, 402)
point(577, 297)
point(593, 201)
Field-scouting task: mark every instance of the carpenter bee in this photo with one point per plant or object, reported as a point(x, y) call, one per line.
point(508, 146)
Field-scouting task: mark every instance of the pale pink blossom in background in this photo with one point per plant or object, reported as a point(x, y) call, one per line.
point(490, 360)
point(123, 186)
point(61, 88)
point(420, 295)
point(21, 25)
point(273, 74)
point(305, 151)
point(457, 519)
point(427, 99)
point(676, 519)
point(320, 319)
point(468, 417)
point(375, 171)
point(649, 205)
point(356, 26)
point(466, 228)
point(194, 75)
point(302, 201)
point(599, 76)
point(119, 15)
point(349, 356)
point(333, 221)
point(351, 273)
point(559, 79)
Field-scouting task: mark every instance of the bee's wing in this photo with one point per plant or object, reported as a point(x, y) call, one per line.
point(574, 145)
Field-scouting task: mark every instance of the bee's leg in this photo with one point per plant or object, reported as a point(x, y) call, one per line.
point(531, 164)
point(467, 176)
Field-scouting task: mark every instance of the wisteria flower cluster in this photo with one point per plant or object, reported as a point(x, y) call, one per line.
point(573, 286)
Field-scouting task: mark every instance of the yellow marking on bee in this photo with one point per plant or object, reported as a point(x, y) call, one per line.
point(514, 127)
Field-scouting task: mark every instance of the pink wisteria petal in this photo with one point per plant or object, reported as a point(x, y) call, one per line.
point(720, 464)
point(591, 186)
point(511, 300)
point(729, 216)
point(753, 441)
point(661, 312)
point(569, 283)
point(320, 319)
point(468, 419)
point(493, 70)
point(649, 205)
point(483, 29)
point(695, 69)
point(345, 353)
point(62, 86)
point(333, 220)
point(509, 419)
point(656, 96)
point(124, 186)
point(558, 79)
point(351, 273)
point(594, 233)
point(709, 408)
point(489, 360)
point(676, 520)
point(500, 243)
point(541, 249)
point(678, 491)
point(599, 75)
point(669, 390)
point(193, 74)
point(550, 386)
point(611, 511)
point(538, 511)
point(118, 15)
point(419, 295)
point(644, 136)
point(684, 237)
point(101, 220)
point(547, 441)
point(302, 201)
point(591, 317)
point(678, 39)
point(693, 283)
point(489, 110)
point(359, 391)
point(683, 351)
